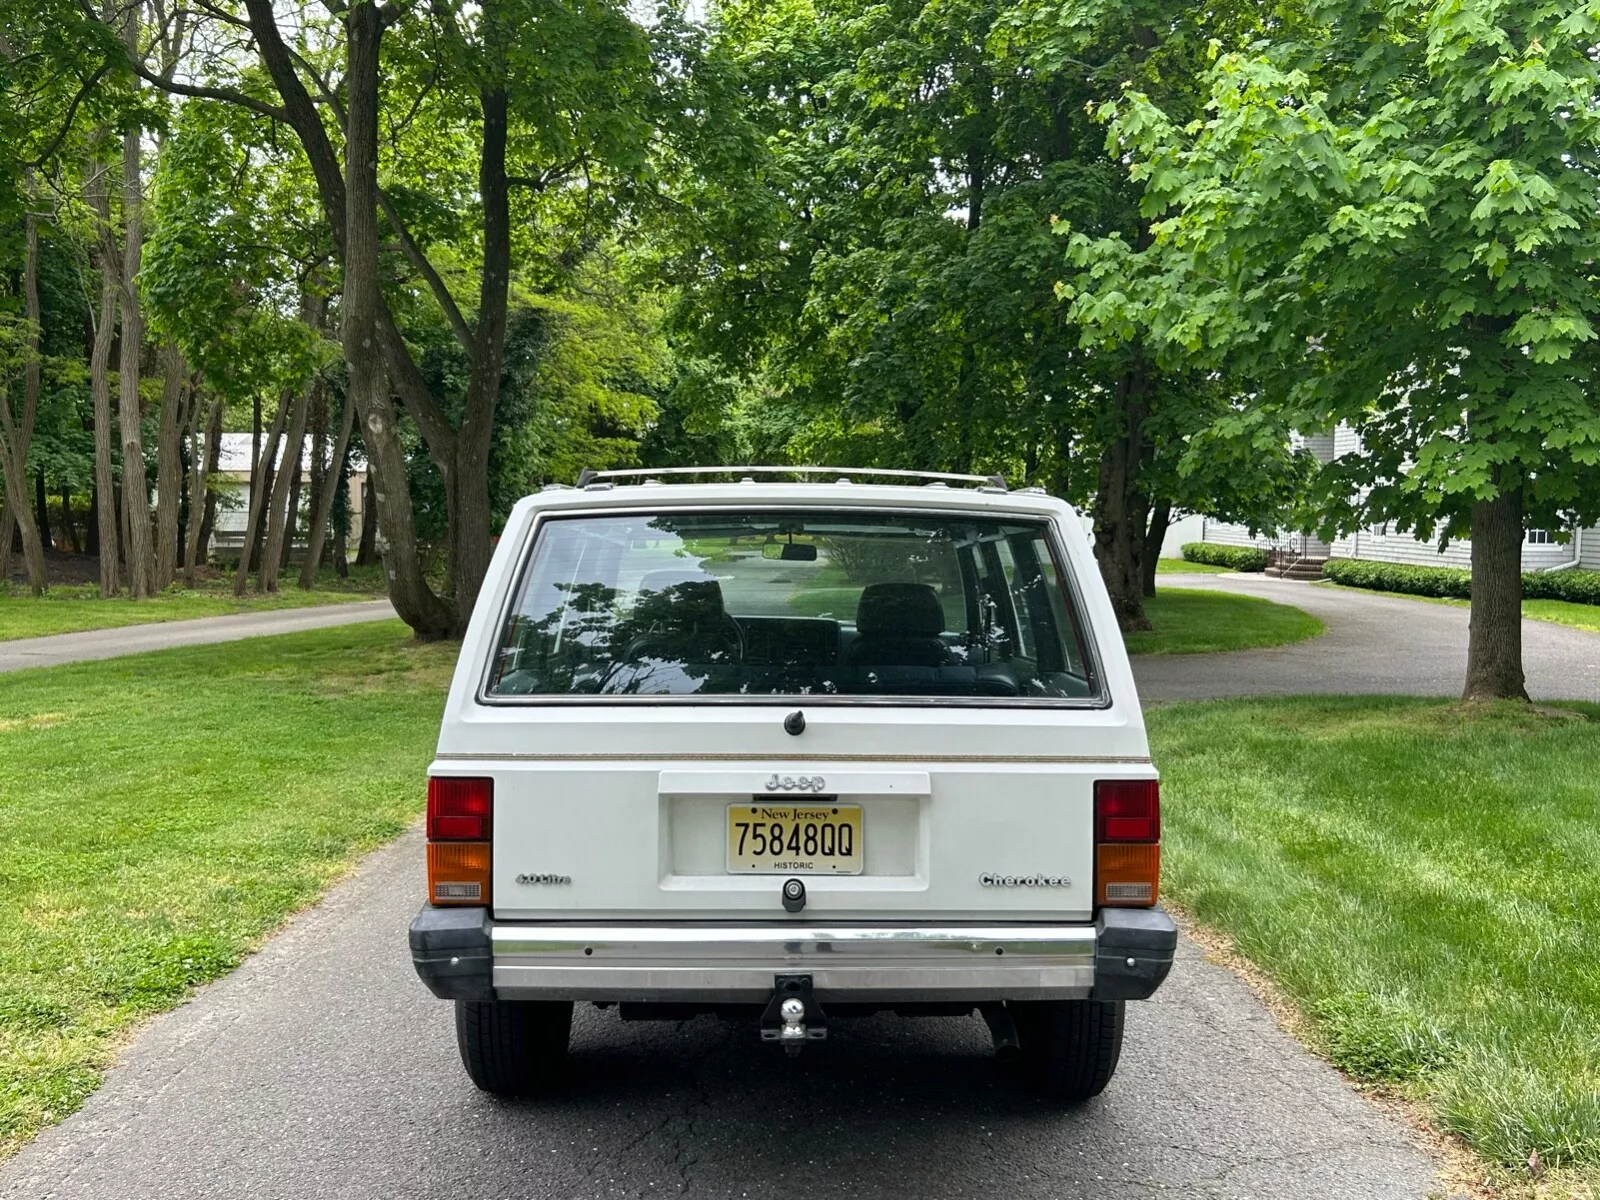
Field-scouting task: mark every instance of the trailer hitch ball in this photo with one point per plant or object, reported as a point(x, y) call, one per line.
point(793, 1017)
point(793, 1011)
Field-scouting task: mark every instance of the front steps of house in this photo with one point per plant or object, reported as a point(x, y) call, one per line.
point(1299, 568)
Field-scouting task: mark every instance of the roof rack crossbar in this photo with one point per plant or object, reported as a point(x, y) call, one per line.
point(587, 476)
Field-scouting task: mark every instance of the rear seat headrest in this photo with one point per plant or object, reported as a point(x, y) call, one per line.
point(899, 610)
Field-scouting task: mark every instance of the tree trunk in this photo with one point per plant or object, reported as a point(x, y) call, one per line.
point(1155, 536)
point(41, 504)
point(1494, 638)
point(106, 542)
point(69, 526)
point(135, 491)
point(7, 528)
point(213, 464)
point(339, 513)
point(258, 489)
point(16, 435)
point(291, 521)
point(322, 502)
point(169, 464)
point(279, 518)
point(318, 437)
point(201, 502)
point(19, 506)
point(368, 385)
point(1120, 506)
point(367, 547)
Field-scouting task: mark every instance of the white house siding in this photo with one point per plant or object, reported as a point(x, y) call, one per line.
point(232, 485)
point(1589, 552)
point(1191, 528)
point(1227, 534)
point(1345, 441)
point(1381, 546)
point(1403, 548)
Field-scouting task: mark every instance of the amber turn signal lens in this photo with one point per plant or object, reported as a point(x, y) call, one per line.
point(1128, 876)
point(458, 873)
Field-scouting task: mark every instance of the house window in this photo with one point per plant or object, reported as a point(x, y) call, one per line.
point(1540, 537)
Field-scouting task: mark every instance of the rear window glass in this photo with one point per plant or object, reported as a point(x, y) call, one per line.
point(791, 603)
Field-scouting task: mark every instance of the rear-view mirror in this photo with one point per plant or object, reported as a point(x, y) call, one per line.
point(798, 552)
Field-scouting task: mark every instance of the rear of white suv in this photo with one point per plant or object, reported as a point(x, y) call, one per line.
point(793, 752)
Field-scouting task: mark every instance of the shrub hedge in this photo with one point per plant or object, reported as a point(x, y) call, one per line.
point(1237, 558)
point(1400, 577)
point(1579, 587)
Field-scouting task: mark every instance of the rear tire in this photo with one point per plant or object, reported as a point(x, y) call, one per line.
point(1069, 1048)
point(512, 1047)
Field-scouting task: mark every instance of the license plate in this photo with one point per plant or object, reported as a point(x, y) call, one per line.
point(822, 838)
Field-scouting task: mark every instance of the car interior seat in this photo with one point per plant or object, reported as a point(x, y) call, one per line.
point(898, 625)
point(680, 616)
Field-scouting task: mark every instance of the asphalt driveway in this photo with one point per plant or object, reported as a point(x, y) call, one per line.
point(322, 1068)
point(1373, 645)
point(20, 653)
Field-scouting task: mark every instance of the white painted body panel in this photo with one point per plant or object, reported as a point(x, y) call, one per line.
point(627, 799)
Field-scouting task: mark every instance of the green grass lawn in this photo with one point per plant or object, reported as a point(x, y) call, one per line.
point(160, 814)
point(1182, 566)
point(71, 609)
point(1564, 612)
point(1421, 879)
point(1193, 621)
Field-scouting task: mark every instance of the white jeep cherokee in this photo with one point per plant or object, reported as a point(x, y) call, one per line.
point(791, 752)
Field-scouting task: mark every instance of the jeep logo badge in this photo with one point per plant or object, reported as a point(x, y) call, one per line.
point(796, 783)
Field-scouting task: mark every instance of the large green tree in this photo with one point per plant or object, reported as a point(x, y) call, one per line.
point(1394, 218)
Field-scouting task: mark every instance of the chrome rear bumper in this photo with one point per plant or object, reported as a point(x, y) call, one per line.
point(734, 965)
point(464, 954)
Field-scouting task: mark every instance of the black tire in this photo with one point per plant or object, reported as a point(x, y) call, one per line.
point(513, 1048)
point(1069, 1048)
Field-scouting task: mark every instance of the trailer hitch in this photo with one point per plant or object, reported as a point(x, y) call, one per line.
point(793, 1016)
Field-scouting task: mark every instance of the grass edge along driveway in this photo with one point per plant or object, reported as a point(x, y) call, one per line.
point(77, 609)
point(1417, 877)
point(1200, 621)
point(161, 814)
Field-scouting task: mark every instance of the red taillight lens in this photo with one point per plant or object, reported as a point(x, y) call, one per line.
point(460, 810)
point(1127, 830)
point(1127, 810)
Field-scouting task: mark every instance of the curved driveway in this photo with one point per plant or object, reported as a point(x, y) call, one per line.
point(1373, 644)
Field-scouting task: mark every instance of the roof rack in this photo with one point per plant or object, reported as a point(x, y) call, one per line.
point(590, 478)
